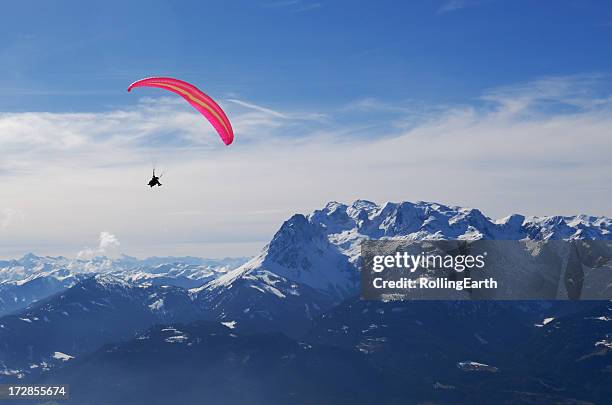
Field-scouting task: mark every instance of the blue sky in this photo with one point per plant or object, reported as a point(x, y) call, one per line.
point(78, 56)
point(505, 106)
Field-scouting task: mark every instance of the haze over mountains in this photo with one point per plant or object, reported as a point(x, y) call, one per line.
point(73, 320)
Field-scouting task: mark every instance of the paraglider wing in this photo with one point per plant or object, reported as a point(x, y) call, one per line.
point(194, 96)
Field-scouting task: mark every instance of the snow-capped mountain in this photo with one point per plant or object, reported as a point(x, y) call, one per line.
point(31, 266)
point(320, 251)
point(94, 311)
point(304, 283)
point(17, 295)
point(31, 278)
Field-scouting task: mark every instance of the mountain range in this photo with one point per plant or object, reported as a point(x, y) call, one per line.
point(288, 320)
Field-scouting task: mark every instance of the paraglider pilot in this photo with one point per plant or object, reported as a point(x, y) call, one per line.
point(155, 180)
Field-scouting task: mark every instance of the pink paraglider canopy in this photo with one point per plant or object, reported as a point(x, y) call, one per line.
point(194, 96)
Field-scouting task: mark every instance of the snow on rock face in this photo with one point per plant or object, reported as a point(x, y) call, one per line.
point(545, 322)
point(157, 305)
point(475, 366)
point(62, 356)
point(230, 324)
point(174, 335)
point(321, 250)
point(606, 343)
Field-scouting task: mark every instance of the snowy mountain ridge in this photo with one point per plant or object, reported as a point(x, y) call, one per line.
point(31, 266)
point(308, 269)
point(320, 250)
point(29, 279)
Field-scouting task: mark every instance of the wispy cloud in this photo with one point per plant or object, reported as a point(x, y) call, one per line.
point(36, 142)
point(293, 115)
point(295, 6)
point(540, 147)
point(552, 94)
point(258, 108)
point(455, 5)
point(308, 7)
point(282, 3)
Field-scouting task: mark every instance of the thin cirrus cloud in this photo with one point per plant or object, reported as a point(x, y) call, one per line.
point(455, 5)
point(295, 6)
point(256, 107)
point(537, 148)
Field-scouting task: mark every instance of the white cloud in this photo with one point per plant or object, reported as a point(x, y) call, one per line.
point(535, 148)
point(108, 245)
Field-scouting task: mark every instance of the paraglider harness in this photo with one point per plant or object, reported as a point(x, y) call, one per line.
point(155, 180)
